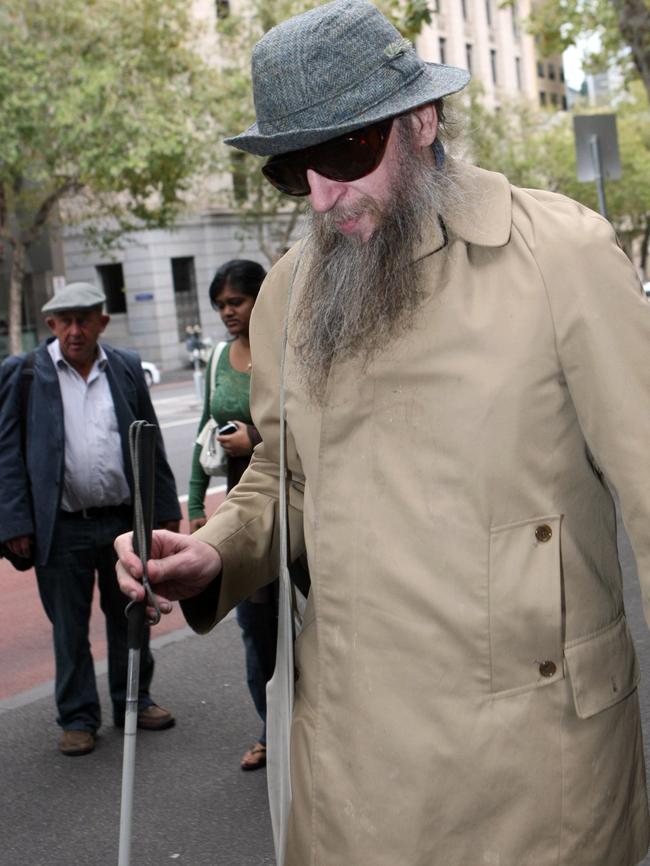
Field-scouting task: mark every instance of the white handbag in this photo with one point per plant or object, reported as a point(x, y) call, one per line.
point(212, 458)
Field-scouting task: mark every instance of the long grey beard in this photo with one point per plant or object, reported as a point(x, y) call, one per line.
point(358, 296)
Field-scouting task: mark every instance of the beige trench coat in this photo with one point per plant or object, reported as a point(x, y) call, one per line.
point(466, 691)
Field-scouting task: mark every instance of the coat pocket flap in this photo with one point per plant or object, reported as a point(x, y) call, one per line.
point(603, 669)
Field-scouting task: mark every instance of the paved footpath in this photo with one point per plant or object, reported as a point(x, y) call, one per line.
point(193, 805)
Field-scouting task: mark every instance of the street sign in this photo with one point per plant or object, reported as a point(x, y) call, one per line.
point(597, 151)
point(585, 127)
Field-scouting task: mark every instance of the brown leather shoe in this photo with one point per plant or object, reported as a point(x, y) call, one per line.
point(155, 718)
point(76, 743)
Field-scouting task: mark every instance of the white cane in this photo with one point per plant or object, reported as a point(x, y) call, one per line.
point(142, 443)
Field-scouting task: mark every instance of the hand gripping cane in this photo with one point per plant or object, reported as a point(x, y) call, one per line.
point(142, 443)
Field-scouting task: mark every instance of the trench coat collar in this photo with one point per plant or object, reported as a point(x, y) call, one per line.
point(485, 218)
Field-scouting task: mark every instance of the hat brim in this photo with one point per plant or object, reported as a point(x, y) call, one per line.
point(436, 82)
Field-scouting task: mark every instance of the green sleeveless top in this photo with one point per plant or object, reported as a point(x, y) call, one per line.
point(230, 401)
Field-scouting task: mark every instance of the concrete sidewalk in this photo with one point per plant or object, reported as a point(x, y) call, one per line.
point(193, 805)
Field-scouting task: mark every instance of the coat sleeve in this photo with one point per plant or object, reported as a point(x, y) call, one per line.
point(15, 500)
point(602, 325)
point(244, 529)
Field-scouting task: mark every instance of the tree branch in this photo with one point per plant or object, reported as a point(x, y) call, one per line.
point(45, 209)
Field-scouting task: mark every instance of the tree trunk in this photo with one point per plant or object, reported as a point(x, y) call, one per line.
point(634, 22)
point(19, 254)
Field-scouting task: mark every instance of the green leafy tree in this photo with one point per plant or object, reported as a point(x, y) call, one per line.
point(265, 213)
point(537, 149)
point(622, 27)
point(107, 113)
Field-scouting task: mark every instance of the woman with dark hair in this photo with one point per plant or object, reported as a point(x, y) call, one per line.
point(232, 294)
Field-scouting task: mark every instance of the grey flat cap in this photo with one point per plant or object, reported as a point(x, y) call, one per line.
point(333, 69)
point(75, 296)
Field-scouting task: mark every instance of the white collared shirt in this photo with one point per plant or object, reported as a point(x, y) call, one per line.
point(94, 466)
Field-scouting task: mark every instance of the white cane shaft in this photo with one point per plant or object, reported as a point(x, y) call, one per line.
point(128, 763)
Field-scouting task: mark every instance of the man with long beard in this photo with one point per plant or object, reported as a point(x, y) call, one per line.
point(445, 371)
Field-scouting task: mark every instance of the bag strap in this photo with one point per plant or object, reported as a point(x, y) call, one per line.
point(280, 688)
point(214, 362)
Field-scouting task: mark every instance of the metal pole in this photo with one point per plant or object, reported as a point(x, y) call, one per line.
point(128, 762)
point(594, 148)
point(142, 441)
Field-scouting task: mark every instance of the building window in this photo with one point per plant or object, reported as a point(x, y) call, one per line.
point(554, 99)
point(442, 48)
point(437, 5)
point(518, 72)
point(542, 98)
point(565, 104)
point(562, 74)
point(551, 71)
point(493, 64)
point(468, 56)
point(185, 295)
point(463, 6)
point(112, 277)
point(515, 20)
point(540, 69)
point(488, 12)
point(223, 8)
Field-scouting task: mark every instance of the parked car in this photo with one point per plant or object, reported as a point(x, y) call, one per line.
point(151, 373)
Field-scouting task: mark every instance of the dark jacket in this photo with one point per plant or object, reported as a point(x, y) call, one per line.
point(31, 485)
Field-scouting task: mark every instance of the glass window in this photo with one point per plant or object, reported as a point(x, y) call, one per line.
point(493, 64)
point(112, 279)
point(468, 55)
point(442, 48)
point(185, 295)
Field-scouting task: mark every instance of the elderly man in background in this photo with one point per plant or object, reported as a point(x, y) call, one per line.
point(465, 363)
point(66, 488)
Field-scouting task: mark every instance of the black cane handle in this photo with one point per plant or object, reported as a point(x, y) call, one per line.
point(142, 444)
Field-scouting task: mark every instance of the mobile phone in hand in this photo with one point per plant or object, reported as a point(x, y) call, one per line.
point(228, 428)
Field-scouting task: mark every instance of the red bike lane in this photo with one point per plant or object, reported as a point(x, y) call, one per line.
point(27, 657)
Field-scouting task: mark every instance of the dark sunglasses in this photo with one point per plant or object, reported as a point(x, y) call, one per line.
point(348, 157)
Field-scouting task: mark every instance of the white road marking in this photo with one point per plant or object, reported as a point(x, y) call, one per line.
point(167, 424)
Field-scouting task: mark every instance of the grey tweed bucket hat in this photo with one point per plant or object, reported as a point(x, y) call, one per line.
point(333, 69)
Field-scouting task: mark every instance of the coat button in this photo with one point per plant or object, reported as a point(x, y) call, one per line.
point(543, 532)
point(547, 668)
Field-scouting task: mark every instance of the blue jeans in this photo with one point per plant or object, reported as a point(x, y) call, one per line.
point(258, 620)
point(82, 548)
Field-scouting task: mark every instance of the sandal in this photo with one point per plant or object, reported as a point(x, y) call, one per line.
point(255, 758)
